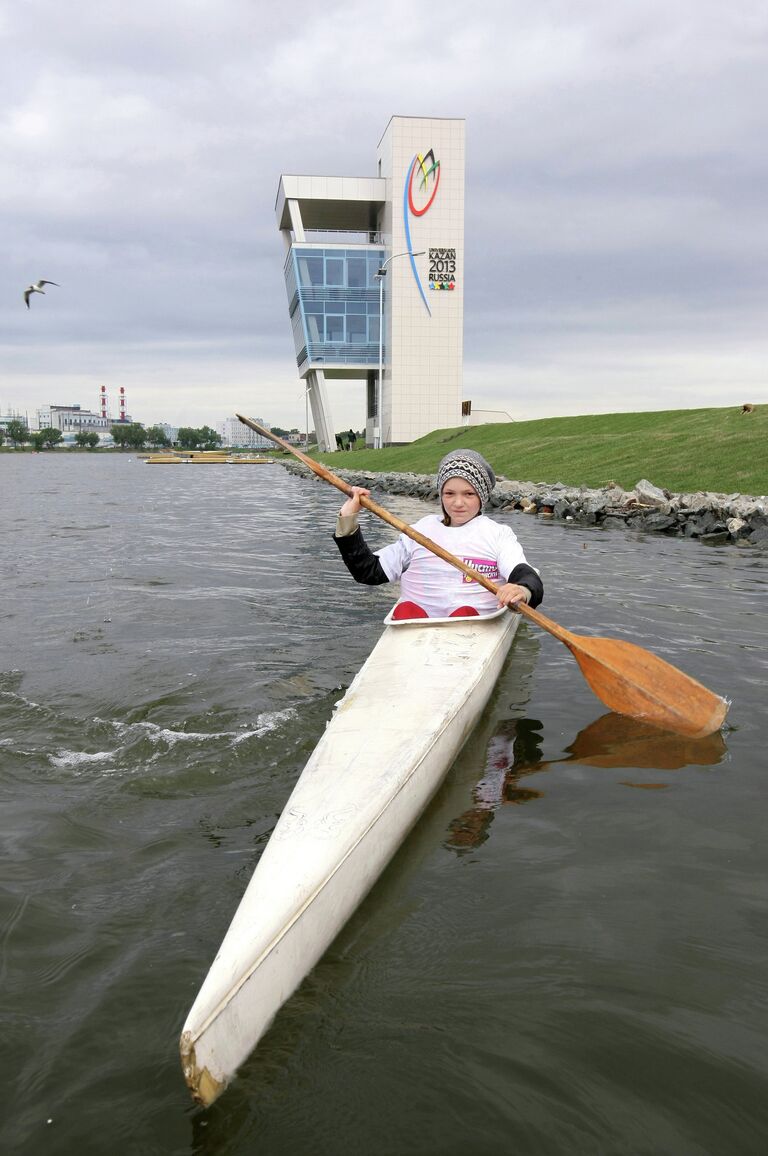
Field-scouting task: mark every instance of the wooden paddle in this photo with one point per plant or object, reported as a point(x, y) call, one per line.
point(628, 679)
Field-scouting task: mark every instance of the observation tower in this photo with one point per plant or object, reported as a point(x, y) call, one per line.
point(374, 277)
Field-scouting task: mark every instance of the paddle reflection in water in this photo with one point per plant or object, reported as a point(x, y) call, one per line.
point(611, 741)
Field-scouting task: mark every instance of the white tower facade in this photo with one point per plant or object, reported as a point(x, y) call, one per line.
point(422, 162)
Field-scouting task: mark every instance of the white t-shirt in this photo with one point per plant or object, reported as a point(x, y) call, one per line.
point(440, 588)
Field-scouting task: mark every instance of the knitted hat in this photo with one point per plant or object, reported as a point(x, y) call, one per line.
point(470, 466)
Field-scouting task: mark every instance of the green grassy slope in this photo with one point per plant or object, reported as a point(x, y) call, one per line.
point(689, 449)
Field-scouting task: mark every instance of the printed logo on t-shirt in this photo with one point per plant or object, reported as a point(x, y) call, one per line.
point(485, 566)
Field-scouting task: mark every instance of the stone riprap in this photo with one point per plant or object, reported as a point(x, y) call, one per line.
point(714, 519)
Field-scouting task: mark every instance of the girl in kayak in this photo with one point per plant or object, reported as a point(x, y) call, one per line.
point(430, 587)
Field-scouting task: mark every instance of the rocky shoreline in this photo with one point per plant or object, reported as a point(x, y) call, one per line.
point(713, 519)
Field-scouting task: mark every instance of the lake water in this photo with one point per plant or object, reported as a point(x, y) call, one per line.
point(568, 955)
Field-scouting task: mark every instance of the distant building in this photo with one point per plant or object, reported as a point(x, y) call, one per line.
point(234, 433)
point(170, 431)
point(73, 419)
point(12, 415)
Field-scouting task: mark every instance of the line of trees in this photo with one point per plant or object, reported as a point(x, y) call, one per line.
point(48, 438)
point(203, 438)
point(125, 435)
point(16, 431)
point(129, 435)
point(133, 436)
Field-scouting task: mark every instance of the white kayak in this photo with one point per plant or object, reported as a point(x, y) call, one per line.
point(390, 742)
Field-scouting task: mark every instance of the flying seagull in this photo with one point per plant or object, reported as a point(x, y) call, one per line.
point(38, 288)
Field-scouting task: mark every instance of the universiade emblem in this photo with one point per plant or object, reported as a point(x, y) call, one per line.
point(419, 192)
point(428, 170)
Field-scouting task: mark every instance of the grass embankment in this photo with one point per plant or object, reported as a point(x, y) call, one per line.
point(682, 450)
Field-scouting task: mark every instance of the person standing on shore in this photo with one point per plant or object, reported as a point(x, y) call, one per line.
point(430, 587)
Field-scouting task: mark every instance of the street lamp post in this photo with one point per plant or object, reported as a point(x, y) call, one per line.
point(381, 274)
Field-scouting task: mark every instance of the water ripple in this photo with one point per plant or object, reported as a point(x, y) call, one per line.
point(555, 962)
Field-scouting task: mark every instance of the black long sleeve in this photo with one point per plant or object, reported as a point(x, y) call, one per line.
point(525, 575)
point(360, 560)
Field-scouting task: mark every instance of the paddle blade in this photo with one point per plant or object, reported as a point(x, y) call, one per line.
point(634, 682)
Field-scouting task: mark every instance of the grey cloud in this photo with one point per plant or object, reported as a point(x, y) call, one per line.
point(615, 189)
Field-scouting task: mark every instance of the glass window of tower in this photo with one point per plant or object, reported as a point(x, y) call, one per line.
point(356, 328)
point(356, 272)
point(311, 270)
point(334, 271)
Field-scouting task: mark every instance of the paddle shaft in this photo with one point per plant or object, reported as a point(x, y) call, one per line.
point(625, 677)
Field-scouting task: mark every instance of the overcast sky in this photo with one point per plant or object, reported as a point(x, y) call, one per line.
point(616, 224)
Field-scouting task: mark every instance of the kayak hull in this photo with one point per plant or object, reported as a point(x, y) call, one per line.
point(392, 739)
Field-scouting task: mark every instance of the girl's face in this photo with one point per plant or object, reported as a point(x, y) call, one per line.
point(460, 501)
